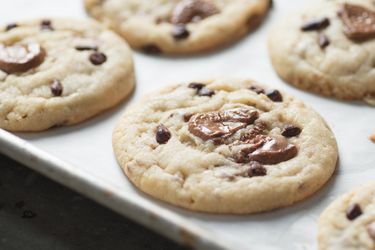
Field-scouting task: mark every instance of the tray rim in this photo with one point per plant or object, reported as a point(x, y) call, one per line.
point(161, 220)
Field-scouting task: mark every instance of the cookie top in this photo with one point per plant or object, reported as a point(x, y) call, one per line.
point(59, 72)
point(225, 146)
point(328, 48)
point(349, 222)
point(179, 26)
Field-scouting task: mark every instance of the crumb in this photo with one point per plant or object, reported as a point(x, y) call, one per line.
point(372, 138)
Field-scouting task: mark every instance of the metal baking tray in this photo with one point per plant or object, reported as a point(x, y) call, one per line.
point(81, 156)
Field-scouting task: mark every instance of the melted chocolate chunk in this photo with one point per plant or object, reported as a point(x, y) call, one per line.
point(98, 58)
point(20, 57)
point(274, 95)
point(371, 230)
point(353, 212)
point(151, 49)
point(56, 88)
point(272, 150)
point(86, 47)
point(359, 22)
point(290, 131)
point(46, 25)
point(206, 92)
point(222, 123)
point(11, 26)
point(323, 41)
point(180, 32)
point(187, 11)
point(256, 169)
point(28, 214)
point(187, 116)
point(195, 85)
point(316, 24)
point(257, 89)
point(162, 134)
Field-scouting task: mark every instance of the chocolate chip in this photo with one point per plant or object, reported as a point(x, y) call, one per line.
point(180, 32)
point(290, 131)
point(323, 41)
point(316, 24)
point(19, 204)
point(84, 47)
point(371, 230)
point(162, 134)
point(257, 89)
point(151, 49)
point(256, 169)
point(195, 85)
point(187, 116)
point(189, 10)
point(274, 95)
point(353, 211)
point(98, 58)
point(46, 25)
point(56, 88)
point(28, 214)
point(206, 92)
point(11, 26)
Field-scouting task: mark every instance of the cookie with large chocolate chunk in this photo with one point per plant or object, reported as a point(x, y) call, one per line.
point(238, 150)
point(328, 49)
point(57, 72)
point(349, 222)
point(179, 26)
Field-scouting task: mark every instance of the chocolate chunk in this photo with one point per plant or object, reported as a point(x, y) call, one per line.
point(28, 214)
point(359, 22)
point(151, 49)
point(222, 123)
point(180, 32)
point(290, 131)
point(353, 211)
point(257, 89)
point(46, 25)
point(98, 58)
point(371, 230)
point(187, 116)
point(20, 57)
point(86, 47)
point(162, 134)
point(273, 150)
point(11, 26)
point(323, 41)
point(206, 92)
point(256, 169)
point(187, 11)
point(56, 88)
point(195, 85)
point(316, 24)
point(274, 95)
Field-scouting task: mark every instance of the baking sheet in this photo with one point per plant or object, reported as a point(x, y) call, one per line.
point(81, 156)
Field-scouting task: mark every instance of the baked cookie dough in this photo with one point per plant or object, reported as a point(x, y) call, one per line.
point(57, 72)
point(349, 222)
point(328, 49)
point(225, 146)
point(179, 26)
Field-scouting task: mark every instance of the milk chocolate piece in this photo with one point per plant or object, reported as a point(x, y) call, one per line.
point(187, 11)
point(222, 123)
point(20, 57)
point(353, 211)
point(359, 22)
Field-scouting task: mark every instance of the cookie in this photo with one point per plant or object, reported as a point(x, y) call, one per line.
point(225, 146)
point(60, 72)
point(179, 26)
point(349, 222)
point(328, 49)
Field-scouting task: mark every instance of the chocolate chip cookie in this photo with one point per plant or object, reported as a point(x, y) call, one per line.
point(225, 146)
point(349, 222)
point(59, 72)
point(328, 49)
point(179, 26)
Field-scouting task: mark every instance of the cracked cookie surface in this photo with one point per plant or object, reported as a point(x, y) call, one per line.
point(57, 72)
point(328, 49)
point(349, 222)
point(179, 26)
point(243, 148)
